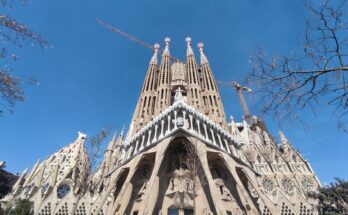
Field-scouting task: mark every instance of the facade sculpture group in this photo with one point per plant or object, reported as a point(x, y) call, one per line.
point(180, 156)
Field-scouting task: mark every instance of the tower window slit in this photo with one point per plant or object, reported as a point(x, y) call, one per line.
point(144, 102)
point(211, 102)
point(153, 105)
point(215, 101)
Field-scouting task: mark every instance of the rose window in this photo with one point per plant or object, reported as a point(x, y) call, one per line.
point(307, 185)
point(267, 185)
point(288, 186)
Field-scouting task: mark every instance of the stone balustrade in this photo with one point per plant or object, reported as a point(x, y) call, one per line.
point(181, 116)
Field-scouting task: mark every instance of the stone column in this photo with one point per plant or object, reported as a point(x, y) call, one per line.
point(162, 127)
point(205, 131)
point(155, 136)
point(213, 136)
point(168, 123)
point(149, 137)
point(175, 118)
point(198, 127)
point(191, 123)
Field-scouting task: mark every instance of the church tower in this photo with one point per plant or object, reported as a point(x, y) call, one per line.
point(180, 157)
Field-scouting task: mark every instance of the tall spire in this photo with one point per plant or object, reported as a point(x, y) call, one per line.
point(118, 147)
point(163, 81)
point(109, 152)
point(146, 104)
point(211, 96)
point(194, 91)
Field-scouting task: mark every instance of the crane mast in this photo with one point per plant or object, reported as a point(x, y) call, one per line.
point(245, 108)
point(240, 89)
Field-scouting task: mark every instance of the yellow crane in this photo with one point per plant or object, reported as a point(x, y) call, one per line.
point(240, 89)
point(130, 37)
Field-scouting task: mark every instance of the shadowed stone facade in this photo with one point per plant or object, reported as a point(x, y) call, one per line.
point(180, 156)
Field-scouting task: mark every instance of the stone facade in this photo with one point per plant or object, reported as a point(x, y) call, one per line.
point(180, 156)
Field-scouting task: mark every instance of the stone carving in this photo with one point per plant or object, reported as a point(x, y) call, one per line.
point(267, 185)
point(307, 184)
point(288, 186)
point(178, 73)
point(252, 190)
point(225, 193)
point(250, 153)
point(267, 152)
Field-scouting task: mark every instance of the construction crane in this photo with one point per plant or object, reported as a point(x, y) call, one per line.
point(240, 89)
point(132, 38)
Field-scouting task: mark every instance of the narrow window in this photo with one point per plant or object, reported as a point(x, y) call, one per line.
point(188, 211)
point(173, 211)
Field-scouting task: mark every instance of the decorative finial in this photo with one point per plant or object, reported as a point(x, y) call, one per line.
point(204, 59)
point(166, 48)
point(282, 137)
point(167, 40)
point(153, 60)
point(200, 45)
point(189, 49)
point(188, 40)
point(81, 135)
point(156, 46)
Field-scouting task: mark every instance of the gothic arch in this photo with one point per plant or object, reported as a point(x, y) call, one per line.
point(224, 182)
point(253, 194)
point(139, 182)
point(175, 180)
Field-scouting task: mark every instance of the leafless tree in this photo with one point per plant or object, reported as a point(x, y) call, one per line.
point(315, 74)
point(13, 35)
point(94, 147)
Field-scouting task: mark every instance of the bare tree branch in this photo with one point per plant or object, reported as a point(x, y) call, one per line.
point(13, 35)
point(316, 74)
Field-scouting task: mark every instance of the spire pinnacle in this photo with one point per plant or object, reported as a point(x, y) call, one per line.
point(120, 138)
point(204, 59)
point(153, 60)
point(166, 48)
point(282, 137)
point(112, 143)
point(189, 48)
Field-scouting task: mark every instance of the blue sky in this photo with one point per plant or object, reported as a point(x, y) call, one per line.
point(92, 77)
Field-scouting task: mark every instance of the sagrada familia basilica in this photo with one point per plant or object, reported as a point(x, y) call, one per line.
point(179, 156)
